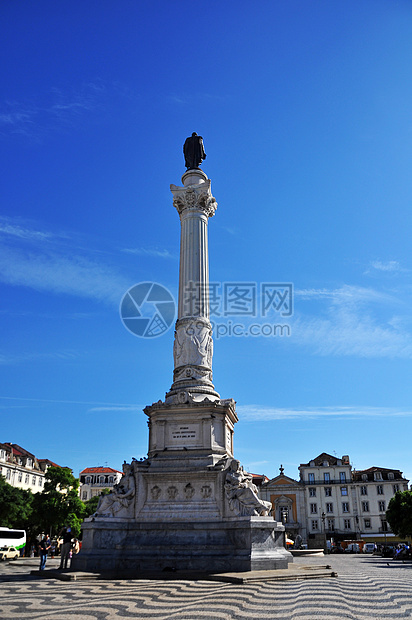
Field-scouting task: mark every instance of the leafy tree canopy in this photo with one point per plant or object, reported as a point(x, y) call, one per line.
point(59, 504)
point(15, 505)
point(399, 514)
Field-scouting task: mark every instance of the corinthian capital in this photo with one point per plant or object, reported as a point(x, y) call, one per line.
point(194, 197)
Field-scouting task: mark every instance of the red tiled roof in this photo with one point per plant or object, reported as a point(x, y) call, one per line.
point(49, 462)
point(18, 450)
point(100, 470)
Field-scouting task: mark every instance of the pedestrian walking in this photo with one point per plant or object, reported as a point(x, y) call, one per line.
point(44, 547)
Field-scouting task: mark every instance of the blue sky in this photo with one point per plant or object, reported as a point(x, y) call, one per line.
point(305, 110)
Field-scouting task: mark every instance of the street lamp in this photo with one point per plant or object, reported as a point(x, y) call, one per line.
point(323, 516)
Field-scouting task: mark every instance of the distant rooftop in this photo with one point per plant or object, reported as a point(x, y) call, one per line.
point(100, 470)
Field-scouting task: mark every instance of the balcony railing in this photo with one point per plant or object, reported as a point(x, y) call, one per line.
point(99, 484)
point(325, 482)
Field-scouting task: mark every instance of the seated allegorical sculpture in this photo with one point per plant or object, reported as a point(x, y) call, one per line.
point(119, 502)
point(243, 494)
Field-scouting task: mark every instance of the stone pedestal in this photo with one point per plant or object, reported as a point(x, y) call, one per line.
point(243, 544)
point(183, 516)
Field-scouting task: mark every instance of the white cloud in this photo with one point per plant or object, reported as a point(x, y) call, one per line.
point(7, 360)
point(131, 408)
point(24, 233)
point(349, 333)
point(72, 402)
point(55, 110)
point(149, 252)
point(346, 294)
point(52, 272)
point(391, 266)
point(260, 413)
point(355, 321)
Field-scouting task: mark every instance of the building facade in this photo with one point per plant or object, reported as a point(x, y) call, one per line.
point(288, 500)
point(93, 480)
point(332, 502)
point(374, 488)
point(22, 469)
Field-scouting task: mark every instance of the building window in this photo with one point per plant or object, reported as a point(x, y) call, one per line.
point(329, 507)
point(8, 474)
point(384, 525)
point(365, 506)
point(88, 480)
point(26, 479)
point(315, 524)
point(101, 479)
point(395, 488)
point(344, 490)
point(33, 480)
point(379, 489)
point(313, 508)
point(346, 524)
point(2, 455)
point(405, 487)
point(364, 490)
point(20, 476)
point(311, 478)
point(367, 523)
point(326, 476)
point(325, 463)
point(331, 524)
point(345, 506)
point(84, 494)
point(391, 475)
point(312, 492)
point(111, 479)
point(377, 475)
point(328, 491)
point(40, 482)
point(365, 477)
point(342, 476)
point(381, 506)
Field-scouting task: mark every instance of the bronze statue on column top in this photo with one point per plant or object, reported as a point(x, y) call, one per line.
point(193, 151)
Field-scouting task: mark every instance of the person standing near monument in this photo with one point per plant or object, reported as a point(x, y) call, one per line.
point(43, 549)
point(66, 532)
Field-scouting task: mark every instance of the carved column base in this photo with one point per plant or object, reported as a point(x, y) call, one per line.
point(193, 350)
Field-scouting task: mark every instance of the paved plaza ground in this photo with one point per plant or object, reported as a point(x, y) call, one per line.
point(367, 587)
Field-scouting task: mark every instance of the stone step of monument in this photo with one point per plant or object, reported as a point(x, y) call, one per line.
point(294, 572)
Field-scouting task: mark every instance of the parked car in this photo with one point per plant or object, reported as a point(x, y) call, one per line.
point(369, 547)
point(352, 548)
point(8, 553)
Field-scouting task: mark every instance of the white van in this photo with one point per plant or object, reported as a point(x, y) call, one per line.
point(369, 547)
point(352, 548)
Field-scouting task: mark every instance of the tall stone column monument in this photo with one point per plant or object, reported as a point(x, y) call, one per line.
point(189, 505)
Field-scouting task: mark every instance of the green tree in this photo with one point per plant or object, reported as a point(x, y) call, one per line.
point(59, 504)
point(15, 505)
point(399, 514)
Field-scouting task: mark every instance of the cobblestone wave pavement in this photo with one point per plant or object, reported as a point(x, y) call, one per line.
point(367, 587)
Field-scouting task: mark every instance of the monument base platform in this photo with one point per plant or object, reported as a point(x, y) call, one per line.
point(239, 545)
